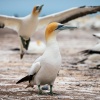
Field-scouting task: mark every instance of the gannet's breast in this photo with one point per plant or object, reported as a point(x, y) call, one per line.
point(28, 27)
point(49, 69)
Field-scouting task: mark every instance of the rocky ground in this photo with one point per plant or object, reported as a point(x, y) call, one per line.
point(74, 82)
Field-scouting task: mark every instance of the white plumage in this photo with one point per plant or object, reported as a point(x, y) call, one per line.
point(45, 68)
point(27, 25)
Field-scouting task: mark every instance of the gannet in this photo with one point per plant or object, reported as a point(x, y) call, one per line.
point(45, 68)
point(27, 25)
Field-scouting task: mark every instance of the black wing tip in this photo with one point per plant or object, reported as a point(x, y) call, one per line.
point(82, 6)
point(86, 52)
point(88, 6)
point(26, 78)
point(89, 52)
point(93, 6)
point(18, 82)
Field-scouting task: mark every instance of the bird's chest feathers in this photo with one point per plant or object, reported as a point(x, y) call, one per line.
point(52, 58)
point(29, 27)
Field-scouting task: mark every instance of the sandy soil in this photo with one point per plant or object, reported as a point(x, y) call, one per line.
point(74, 82)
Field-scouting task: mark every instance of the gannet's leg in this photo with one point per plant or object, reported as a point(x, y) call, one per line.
point(51, 93)
point(40, 91)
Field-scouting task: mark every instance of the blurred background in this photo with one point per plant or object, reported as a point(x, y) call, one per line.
point(20, 8)
point(74, 82)
point(24, 7)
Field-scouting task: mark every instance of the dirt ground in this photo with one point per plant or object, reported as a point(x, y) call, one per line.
point(74, 82)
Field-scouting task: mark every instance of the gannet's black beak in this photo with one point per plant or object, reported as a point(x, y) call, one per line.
point(39, 8)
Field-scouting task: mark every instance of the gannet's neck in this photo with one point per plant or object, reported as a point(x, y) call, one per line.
point(52, 49)
point(34, 17)
point(51, 41)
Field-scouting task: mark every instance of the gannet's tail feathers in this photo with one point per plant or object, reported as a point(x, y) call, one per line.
point(10, 22)
point(68, 15)
point(89, 52)
point(24, 79)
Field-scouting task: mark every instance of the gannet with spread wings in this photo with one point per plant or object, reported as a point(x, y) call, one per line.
point(27, 25)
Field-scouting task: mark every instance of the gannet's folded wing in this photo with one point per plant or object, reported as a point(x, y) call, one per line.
point(33, 71)
point(68, 15)
point(10, 22)
point(35, 68)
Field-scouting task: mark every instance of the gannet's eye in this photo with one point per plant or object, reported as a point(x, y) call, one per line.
point(37, 7)
point(59, 26)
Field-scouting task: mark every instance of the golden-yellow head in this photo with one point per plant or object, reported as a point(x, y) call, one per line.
point(54, 28)
point(50, 29)
point(37, 10)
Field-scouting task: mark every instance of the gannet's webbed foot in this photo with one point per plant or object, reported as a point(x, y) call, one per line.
point(25, 42)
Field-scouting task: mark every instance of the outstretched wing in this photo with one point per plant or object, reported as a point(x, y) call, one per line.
point(10, 22)
point(33, 71)
point(68, 15)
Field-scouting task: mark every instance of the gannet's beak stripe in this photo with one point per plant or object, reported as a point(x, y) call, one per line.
point(39, 7)
point(25, 42)
point(63, 27)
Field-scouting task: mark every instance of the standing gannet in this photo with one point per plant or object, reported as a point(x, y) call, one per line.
point(45, 68)
point(27, 25)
